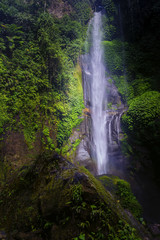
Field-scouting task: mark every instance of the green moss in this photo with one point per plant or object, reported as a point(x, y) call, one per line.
point(109, 105)
point(99, 187)
point(56, 194)
point(114, 56)
point(126, 91)
point(73, 109)
point(122, 191)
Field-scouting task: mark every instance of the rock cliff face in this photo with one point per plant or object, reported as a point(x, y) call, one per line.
point(60, 8)
point(113, 117)
point(15, 151)
point(65, 7)
point(140, 16)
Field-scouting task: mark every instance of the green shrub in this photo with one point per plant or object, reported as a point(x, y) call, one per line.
point(143, 112)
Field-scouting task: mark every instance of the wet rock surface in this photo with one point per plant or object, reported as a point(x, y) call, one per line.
point(83, 157)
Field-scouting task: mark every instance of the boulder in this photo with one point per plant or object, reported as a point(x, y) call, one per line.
point(54, 199)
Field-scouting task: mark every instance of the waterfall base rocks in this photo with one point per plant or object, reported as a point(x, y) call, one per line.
point(83, 157)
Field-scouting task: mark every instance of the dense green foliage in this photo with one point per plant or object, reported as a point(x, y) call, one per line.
point(142, 124)
point(144, 111)
point(82, 9)
point(111, 26)
point(40, 85)
point(113, 56)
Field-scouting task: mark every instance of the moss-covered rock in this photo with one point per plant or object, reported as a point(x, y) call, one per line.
point(123, 194)
point(54, 199)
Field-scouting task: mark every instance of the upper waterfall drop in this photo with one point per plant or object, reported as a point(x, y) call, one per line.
point(94, 84)
point(98, 101)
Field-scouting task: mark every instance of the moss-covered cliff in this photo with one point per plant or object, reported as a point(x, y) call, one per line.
point(40, 93)
point(54, 199)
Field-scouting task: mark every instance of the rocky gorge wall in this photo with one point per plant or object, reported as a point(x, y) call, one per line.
point(141, 15)
point(139, 53)
point(113, 129)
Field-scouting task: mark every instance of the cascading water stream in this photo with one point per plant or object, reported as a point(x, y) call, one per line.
point(98, 83)
point(102, 123)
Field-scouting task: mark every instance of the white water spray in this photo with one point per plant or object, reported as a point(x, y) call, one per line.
point(98, 83)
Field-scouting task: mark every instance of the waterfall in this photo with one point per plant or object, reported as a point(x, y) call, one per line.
point(97, 96)
point(102, 123)
point(95, 75)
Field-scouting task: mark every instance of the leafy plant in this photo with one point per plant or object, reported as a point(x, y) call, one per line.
point(80, 237)
point(77, 193)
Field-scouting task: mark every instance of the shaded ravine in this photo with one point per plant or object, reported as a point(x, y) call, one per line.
point(142, 184)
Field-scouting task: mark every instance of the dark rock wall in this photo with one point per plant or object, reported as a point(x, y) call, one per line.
point(138, 16)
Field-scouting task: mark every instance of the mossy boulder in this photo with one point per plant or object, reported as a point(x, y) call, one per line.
point(54, 199)
point(122, 193)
